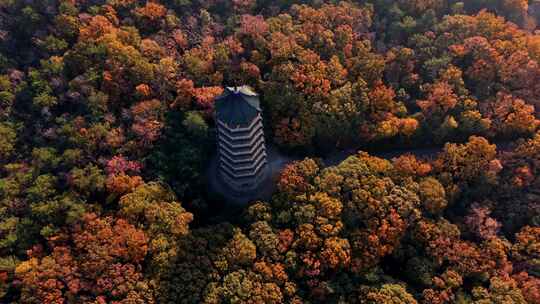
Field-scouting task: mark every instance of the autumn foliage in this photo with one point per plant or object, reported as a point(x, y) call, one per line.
point(107, 129)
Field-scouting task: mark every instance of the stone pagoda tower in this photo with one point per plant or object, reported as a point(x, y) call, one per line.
point(242, 163)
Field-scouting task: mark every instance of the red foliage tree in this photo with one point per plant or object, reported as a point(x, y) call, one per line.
point(102, 265)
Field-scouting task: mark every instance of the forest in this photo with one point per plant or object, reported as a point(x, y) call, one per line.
point(107, 127)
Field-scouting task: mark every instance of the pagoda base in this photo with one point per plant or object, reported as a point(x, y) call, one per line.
point(264, 189)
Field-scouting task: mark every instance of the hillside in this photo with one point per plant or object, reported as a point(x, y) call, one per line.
point(107, 130)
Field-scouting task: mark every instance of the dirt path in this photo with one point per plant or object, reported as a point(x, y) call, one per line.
point(277, 161)
point(430, 152)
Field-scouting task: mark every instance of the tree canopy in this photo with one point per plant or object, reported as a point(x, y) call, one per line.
point(107, 128)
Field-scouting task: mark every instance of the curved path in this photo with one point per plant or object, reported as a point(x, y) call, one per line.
point(277, 161)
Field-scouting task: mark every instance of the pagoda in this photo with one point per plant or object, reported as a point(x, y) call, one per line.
point(242, 159)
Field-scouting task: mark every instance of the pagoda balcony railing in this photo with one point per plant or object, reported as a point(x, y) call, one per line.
point(239, 160)
point(250, 174)
point(235, 140)
point(245, 168)
point(239, 153)
point(239, 184)
point(248, 159)
point(246, 144)
point(233, 180)
point(246, 172)
point(240, 129)
point(240, 137)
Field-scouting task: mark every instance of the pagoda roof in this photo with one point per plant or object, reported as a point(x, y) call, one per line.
point(237, 106)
